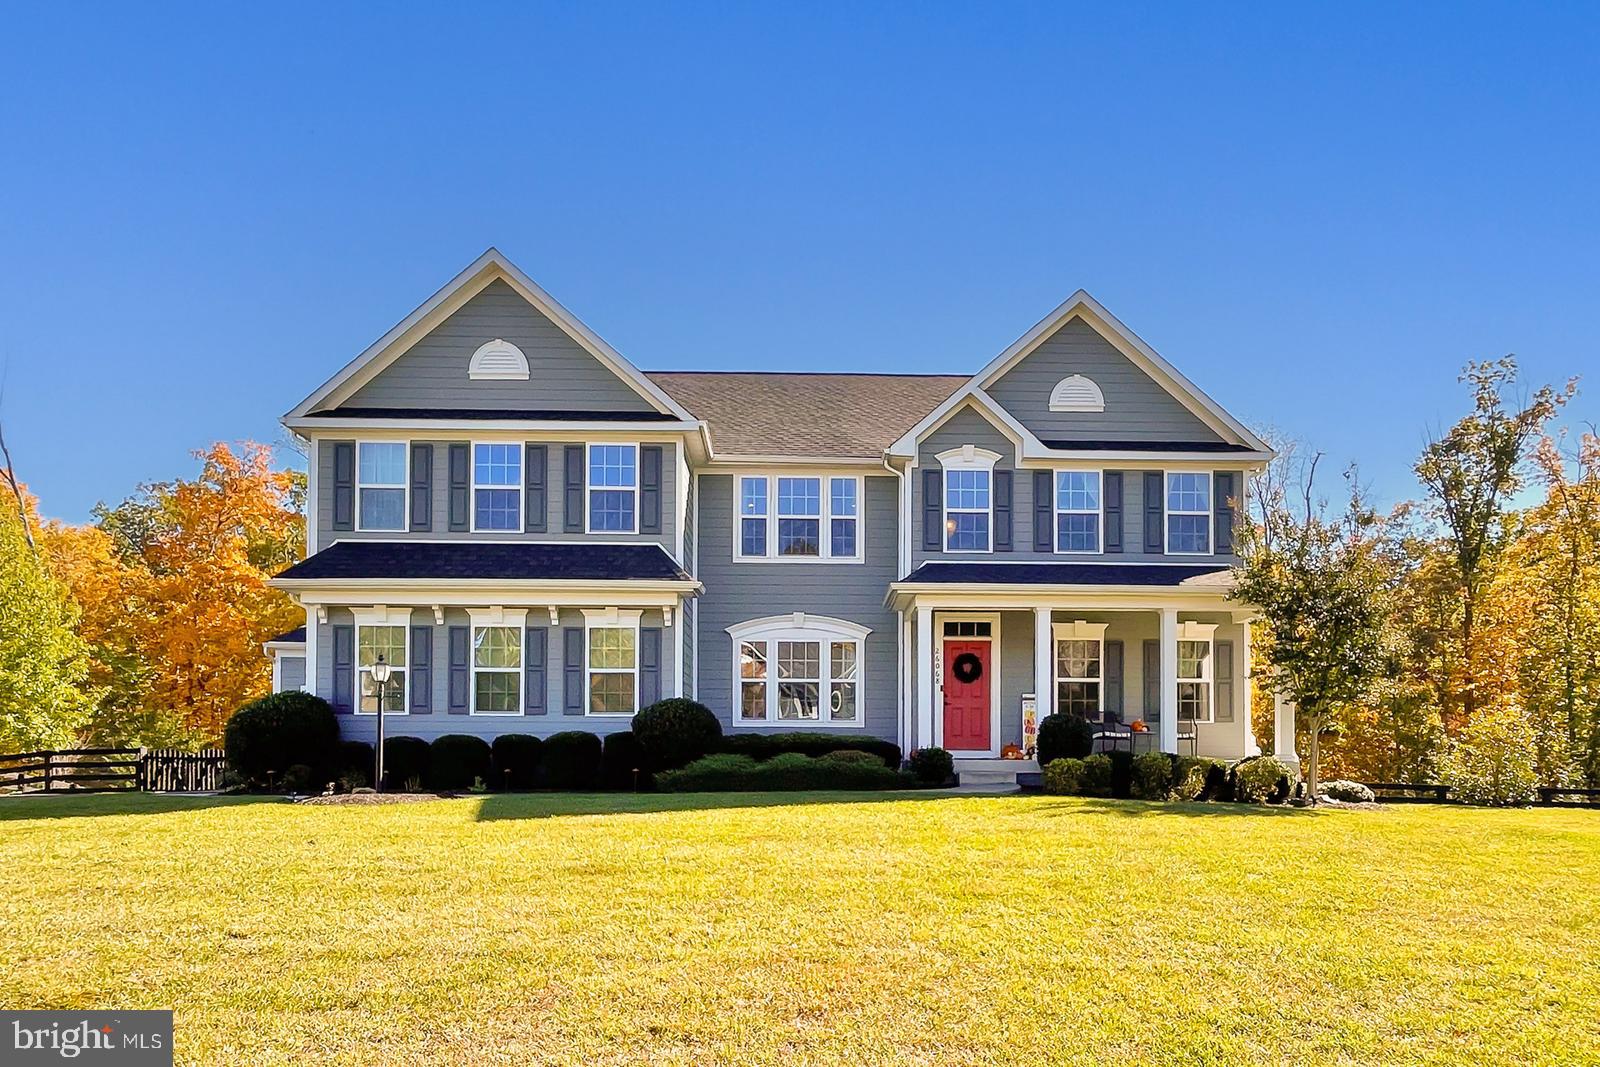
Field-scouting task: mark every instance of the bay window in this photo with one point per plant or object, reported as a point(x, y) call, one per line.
point(798, 670)
point(1077, 511)
point(613, 488)
point(497, 487)
point(381, 485)
point(1189, 513)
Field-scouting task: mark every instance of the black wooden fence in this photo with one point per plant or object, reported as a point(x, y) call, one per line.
point(100, 770)
point(1437, 793)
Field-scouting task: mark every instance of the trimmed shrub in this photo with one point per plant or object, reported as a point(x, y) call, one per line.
point(356, 762)
point(1121, 773)
point(932, 766)
point(457, 761)
point(1064, 737)
point(1197, 778)
point(790, 771)
point(853, 755)
point(809, 743)
point(1342, 789)
point(1262, 780)
point(1064, 777)
point(1152, 776)
point(571, 760)
point(622, 762)
point(675, 732)
point(266, 737)
point(514, 761)
point(405, 762)
point(1097, 775)
point(297, 779)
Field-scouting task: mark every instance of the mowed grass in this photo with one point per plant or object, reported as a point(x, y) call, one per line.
point(825, 929)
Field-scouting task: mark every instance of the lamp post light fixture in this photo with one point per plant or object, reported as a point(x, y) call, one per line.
point(380, 682)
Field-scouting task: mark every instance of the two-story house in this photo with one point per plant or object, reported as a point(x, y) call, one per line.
point(537, 536)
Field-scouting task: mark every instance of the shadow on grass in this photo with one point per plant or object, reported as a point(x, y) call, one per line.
point(16, 807)
point(502, 806)
point(1142, 809)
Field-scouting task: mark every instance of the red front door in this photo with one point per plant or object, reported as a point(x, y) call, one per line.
point(966, 696)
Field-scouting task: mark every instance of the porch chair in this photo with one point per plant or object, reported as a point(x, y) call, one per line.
point(1113, 734)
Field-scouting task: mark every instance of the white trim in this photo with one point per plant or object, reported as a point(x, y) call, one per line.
point(1056, 511)
point(455, 293)
point(610, 619)
point(966, 458)
point(994, 620)
point(821, 630)
point(404, 487)
point(498, 360)
point(521, 453)
point(1199, 634)
point(312, 489)
point(1077, 393)
point(546, 429)
point(504, 618)
point(588, 484)
point(824, 517)
point(380, 617)
point(1210, 513)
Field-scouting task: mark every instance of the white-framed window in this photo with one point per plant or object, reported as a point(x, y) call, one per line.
point(1195, 686)
point(1189, 513)
point(381, 481)
point(497, 643)
point(798, 670)
point(1079, 518)
point(968, 499)
point(801, 517)
point(613, 488)
point(1080, 668)
point(611, 663)
point(382, 632)
point(497, 486)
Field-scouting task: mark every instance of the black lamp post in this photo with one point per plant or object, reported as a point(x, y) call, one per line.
point(380, 681)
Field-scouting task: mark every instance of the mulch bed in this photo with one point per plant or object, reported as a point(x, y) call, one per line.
point(361, 799)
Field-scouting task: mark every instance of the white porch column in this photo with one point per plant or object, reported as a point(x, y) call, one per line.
point(311, 655)
point(1043, 663)
point(924, 660)
point(1283, 741)
point(673, 617)
point(1169, 680)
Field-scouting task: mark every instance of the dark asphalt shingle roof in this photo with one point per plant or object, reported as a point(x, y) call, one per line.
point(1154, 574)
point(829, 415)
point(296, 636)
point(574, 561)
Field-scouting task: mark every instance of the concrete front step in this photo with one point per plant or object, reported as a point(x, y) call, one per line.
point(993, 771)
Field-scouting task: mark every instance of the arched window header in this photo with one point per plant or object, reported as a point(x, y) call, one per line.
point(499, 360)
point(969, 457)
point(798, 622)
point(1077, 393)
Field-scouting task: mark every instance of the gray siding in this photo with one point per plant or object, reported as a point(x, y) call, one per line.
point(970, 427)
point(691, 606)
point(854, 592)
point(1137, 408)
point(433, 372)
point(555, 475)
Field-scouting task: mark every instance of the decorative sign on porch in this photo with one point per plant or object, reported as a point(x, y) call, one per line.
point(1030, 724)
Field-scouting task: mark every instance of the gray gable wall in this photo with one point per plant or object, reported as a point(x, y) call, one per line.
point(563, 376)
point(1137, 407)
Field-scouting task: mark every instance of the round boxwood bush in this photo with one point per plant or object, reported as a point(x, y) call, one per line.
point(571, 760)
point(1152, 776)
point(675, 732)
point(622, 762)
point(1064, 737)
point(1262, 780)
point(1063, 777)
point(1349, 792)
point(1097, 775)
point(266, 737)
point(405, 763)
point(932, 766)
point(458, 761)
point(514, 761)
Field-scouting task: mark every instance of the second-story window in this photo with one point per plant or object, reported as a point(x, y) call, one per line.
point(1189, 513)
point(1077, 511)
point(799, 517)
point(842, 506)
point(967, 515)
point(497, 487)
point(753, 516)
point(613, 488)
point(381, 485)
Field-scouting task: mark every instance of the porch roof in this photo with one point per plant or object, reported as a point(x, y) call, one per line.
point(501, 560)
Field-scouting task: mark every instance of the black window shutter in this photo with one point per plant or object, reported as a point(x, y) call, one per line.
point(572, 490)
point(1002, 511)
point(421, 681)
point(1154, 512)
point(344, 647)
point(649, 665)
point(1222, 501)
point(421, 487)
point(1113, 503)
point(650, 488)
point(572, 670)
point(1112, 705)
point(1044, 514)
point(460, 675)
point(1152, 680)
point(344, 485)
point(460, 486)
point(535, 690)
point(536, 475)
point(1222, 675)
point(932, 510)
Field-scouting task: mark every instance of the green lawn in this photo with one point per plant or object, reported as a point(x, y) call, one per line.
point(860, 929)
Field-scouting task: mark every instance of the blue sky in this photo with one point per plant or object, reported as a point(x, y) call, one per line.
point(204, 213)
